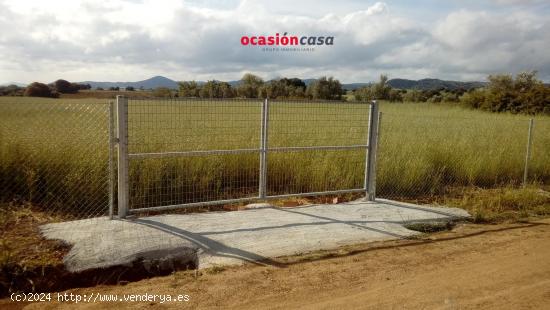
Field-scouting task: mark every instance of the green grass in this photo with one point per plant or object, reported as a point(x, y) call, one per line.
point(54, 152)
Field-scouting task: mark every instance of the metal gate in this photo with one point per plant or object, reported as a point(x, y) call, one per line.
point(189, 152)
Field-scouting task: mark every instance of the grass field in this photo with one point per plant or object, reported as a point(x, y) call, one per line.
point(54, 152)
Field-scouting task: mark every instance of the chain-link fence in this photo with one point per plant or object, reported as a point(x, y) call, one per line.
point(539, 162)
point(54, 154)
point(192, 150)
point(423, 155)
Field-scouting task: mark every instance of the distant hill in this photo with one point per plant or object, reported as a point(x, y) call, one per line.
point(14, 83)
point(154, 82)
point(424, 84)
point(431, 84)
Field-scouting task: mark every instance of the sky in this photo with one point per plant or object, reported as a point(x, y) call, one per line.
point(132, 40)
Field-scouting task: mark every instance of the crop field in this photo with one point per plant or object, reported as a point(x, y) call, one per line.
point(54, 152)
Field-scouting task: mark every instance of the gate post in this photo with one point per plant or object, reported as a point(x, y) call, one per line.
point(263, 149)
point(372, 146)
point(110, 165)
point(122, 139)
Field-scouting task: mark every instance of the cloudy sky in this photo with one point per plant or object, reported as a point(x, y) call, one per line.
point(114, 40)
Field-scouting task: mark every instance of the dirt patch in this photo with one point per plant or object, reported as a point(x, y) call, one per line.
point(25, 257)
point(471, 266)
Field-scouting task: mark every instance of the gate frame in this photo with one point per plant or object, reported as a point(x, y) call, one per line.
point(123, 158)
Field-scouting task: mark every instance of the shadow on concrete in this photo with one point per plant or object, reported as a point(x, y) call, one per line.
point(412, 207)
point(210, 246)
point(217, 248)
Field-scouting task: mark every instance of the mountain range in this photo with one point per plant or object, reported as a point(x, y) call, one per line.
point(423, 84)
point(154, 82)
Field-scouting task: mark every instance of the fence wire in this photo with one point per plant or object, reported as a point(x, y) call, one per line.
point(311, 126)
point(539, 163)
point(54, 155)
point(422, 156)
point(189, 150)
point(172, 126)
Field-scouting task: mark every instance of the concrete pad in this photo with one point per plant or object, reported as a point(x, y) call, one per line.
point(228, 238)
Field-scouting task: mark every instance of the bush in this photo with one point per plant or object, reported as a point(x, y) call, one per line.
point(65, 87)
point(11, 90)
point(40, 90)
point(325, 88)
point(250, 86)
point(524, 94)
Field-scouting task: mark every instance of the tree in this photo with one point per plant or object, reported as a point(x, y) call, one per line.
point(216, 89)
point(363, 94)
point(249, 86)
point(395, 95)
point(524, 94)
point(294, 82)
point(189, 89)
point(66, 87)
point(381, 90)
point(226, 90)
point(40, 90)
point(11, 90)
point(325, 88)
point(130, 88)
point(414, 95)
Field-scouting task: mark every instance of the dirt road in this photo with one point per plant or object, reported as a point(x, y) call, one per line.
point(503, 266)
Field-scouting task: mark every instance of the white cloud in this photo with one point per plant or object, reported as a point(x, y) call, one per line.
point(132, 40)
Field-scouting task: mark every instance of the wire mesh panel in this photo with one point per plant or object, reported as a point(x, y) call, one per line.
point(192, 150)
point(316, 146)
point(539, 162)
point(321, 123)
point(54, 154)
point(315, 171)
point(425, 155)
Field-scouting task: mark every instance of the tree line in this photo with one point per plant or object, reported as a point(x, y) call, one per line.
point(253, 86)
point(383, 91)
point(36, 89)
point(524, 93)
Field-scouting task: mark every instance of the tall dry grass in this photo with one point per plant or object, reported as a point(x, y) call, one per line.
point(54, 152)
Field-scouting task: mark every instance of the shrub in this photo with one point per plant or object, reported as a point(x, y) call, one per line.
point(524, 94)
point(37, 89)
point(65, 87)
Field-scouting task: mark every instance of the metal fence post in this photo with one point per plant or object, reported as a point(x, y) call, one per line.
point(122, 135)
point(372, 145)
point(528, 153)
point(263, 149)
point(110, 165)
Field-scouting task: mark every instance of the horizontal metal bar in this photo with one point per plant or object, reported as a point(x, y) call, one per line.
point(336, 192)
point(191, 153)
point(193, 205)
point(238, 200)
point(321, 148)
point(241, 151)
